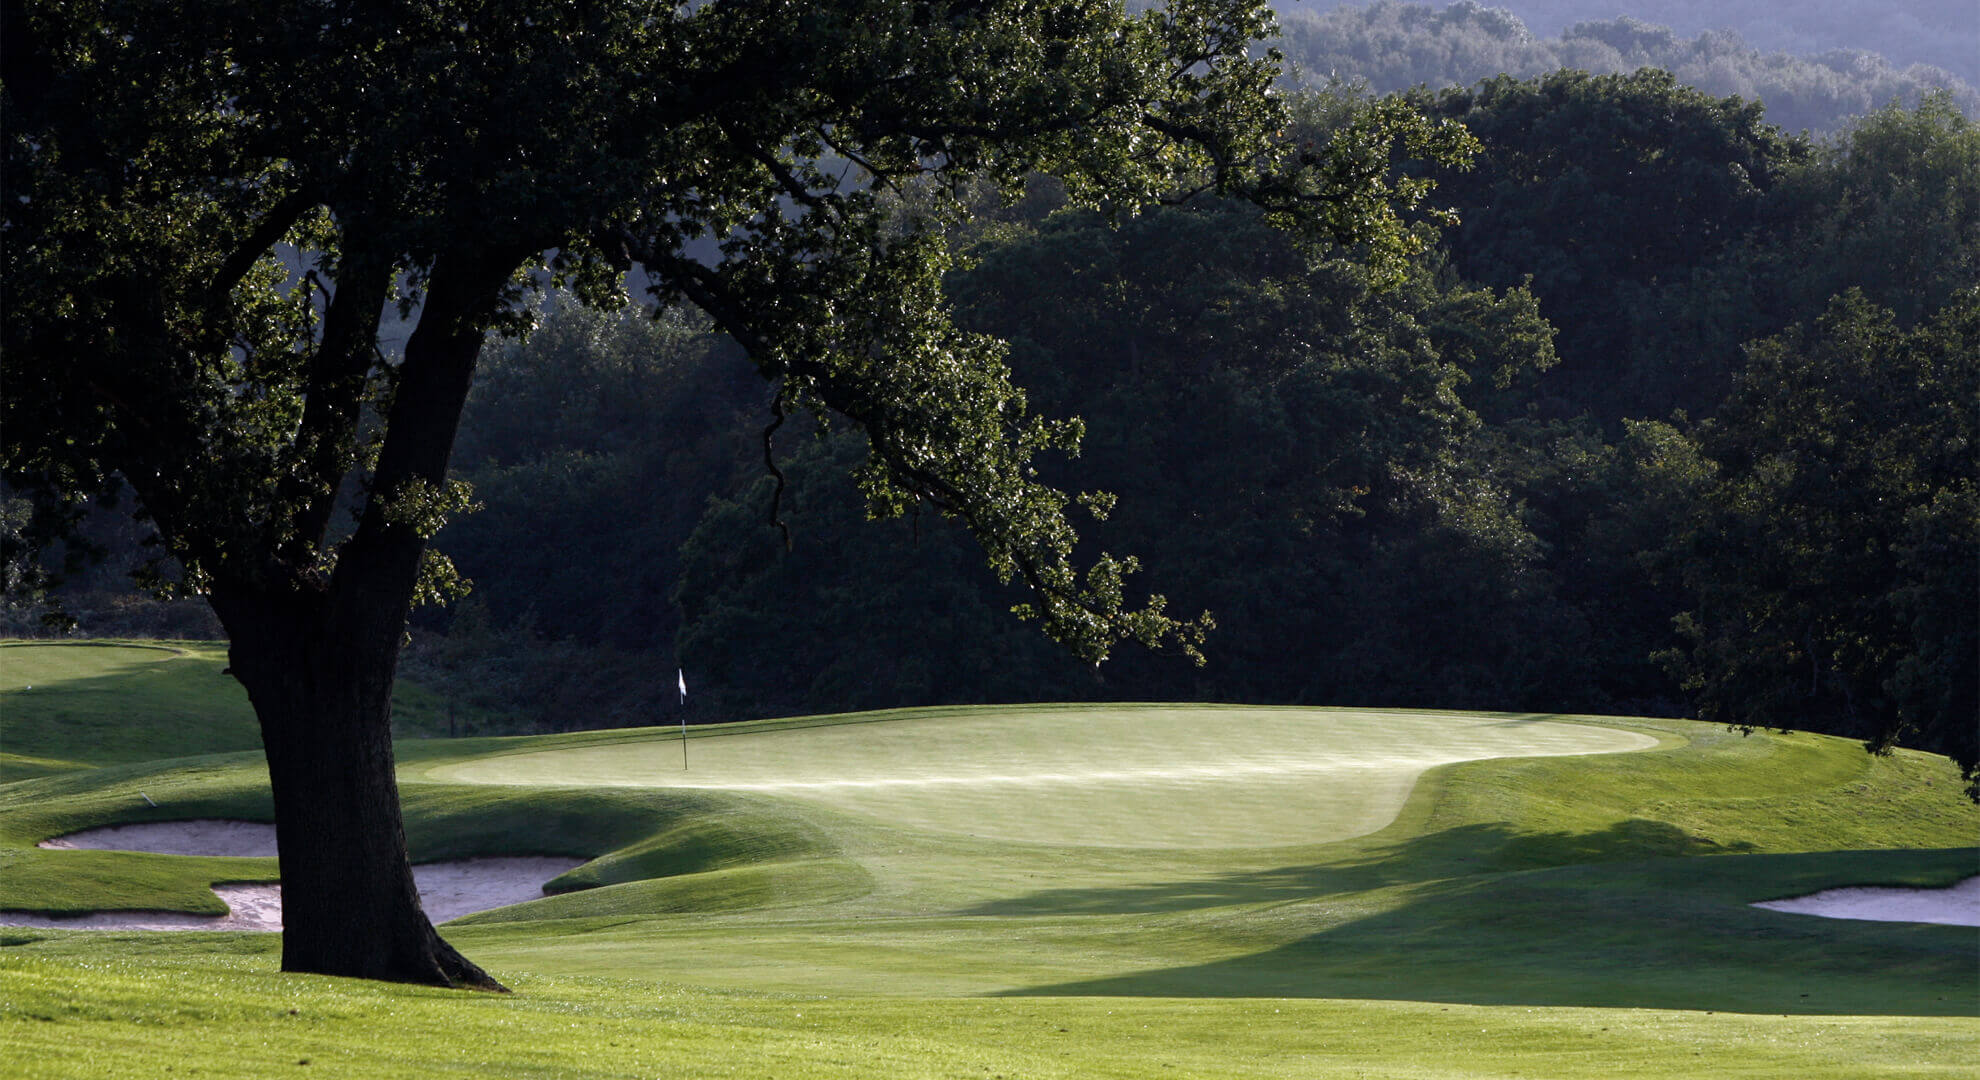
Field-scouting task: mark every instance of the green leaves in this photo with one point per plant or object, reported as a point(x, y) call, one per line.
point(424, 506)
point(1834, 569)
point(1338, 179)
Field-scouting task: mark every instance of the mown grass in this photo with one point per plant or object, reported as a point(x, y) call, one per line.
point(206, 1009)
point(75, 705)
point(1566, 916)
point(70, 705)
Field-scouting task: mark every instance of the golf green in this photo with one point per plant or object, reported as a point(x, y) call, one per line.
point(1117, 776)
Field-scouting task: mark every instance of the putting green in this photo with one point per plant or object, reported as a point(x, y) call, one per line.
point(1081, 777)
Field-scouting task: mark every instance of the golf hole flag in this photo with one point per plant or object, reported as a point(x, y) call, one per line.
point(682, 677)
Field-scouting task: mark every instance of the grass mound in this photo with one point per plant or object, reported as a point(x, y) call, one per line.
point(1094, 776)
point(72, 705)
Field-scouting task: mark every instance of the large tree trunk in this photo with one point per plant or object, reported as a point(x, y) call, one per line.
point(322, 692)
point(318, 655)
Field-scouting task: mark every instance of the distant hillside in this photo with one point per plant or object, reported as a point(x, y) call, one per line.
point(1943, 33)
point(1397, 45)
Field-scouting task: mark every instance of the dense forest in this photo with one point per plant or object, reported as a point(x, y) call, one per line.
point(1677, 418)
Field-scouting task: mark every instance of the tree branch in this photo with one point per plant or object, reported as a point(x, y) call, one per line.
point(333, 394)
point(770, 462)
point(273, 226)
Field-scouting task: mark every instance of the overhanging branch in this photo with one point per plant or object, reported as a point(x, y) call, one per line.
point(273, 226)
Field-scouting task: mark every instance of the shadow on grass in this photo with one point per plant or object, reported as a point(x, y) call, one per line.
point(1666, 933)
point(187, 708)
point(1460, 852)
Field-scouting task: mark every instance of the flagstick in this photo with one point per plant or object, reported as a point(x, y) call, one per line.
point(682, 677)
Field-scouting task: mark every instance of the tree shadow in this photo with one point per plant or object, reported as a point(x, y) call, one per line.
point(1664, 933)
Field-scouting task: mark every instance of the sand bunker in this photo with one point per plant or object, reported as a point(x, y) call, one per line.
point(209, 837)
point(1958, 905)
point(447, 890)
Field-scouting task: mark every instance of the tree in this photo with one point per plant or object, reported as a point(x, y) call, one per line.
point(448, 155)
point(1605, 193)
point(1836, 558)
point(1890, 206)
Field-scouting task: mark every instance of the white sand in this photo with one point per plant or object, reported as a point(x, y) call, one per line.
point(447, 890)
point(208, 837)
point(1958, 905)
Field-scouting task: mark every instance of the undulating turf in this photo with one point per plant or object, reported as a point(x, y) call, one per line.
point(1188, 891)
point(1079, 777)
point(68, 705)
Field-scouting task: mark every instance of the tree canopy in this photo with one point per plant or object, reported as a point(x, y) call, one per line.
point(1834, 560)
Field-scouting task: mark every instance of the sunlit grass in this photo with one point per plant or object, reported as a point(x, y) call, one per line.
point(1088, 776)
point(202, 1011)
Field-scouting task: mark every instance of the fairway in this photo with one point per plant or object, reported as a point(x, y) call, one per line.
point(1086, 777)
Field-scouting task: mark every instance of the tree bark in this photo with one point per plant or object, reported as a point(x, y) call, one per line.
point(349, 905)
point(318, 657)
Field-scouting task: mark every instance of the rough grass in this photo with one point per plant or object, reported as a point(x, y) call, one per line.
point(1560, 916)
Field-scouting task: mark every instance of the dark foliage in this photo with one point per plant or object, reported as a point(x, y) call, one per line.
point(1836, 560)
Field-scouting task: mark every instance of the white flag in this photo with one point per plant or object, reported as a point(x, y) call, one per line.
point(682, 675)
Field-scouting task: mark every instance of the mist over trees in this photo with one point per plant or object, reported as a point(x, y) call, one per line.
point(1942, 33)
point(1395, 46)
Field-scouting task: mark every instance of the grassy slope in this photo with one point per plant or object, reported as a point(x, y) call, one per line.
point(71, 706)
point(75, 705)
point(1509, 894)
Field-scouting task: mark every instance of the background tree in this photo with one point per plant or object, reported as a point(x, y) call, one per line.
point(1890, 206)
point(1607, 193)
point(1835, 563)
point(435, 155)
point(1290, 446)
point(623, 422)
